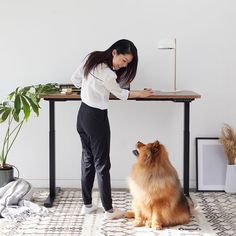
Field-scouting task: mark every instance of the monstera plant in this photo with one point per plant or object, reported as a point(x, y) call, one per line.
point(14, 112)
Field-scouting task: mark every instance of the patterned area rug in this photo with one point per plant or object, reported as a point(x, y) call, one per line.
point(216, 215)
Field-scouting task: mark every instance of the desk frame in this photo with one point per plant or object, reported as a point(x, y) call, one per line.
point(187, 99)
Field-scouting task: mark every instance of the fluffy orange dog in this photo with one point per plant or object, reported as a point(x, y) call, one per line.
point(158, 199)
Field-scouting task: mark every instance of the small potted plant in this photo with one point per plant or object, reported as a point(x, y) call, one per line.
point(228, 139)
point(16, 110)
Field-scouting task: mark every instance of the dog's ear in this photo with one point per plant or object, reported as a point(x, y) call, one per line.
point(139, 144)
point(156, 145)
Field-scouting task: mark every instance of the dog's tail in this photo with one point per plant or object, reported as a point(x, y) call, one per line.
point(129, 214)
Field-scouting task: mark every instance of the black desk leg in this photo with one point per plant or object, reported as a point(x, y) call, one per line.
point(186, 147)
point(52, 172)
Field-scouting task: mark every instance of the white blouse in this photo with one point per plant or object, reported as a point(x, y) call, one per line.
point(97, 86)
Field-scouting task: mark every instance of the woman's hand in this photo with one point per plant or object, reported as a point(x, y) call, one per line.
point(147, 92)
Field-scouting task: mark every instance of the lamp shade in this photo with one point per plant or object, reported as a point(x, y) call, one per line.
point(167, 44)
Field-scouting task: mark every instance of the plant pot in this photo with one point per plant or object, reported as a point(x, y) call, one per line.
point(6, 175)
point(230, 183)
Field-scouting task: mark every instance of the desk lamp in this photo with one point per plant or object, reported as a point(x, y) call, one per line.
point(170, 44)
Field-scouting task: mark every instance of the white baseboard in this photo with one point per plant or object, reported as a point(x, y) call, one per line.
point(75, 183)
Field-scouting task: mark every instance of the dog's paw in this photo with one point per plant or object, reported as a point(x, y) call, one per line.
point(129, 214)
point(156, 226)
point(138, 223)
point(148, 223)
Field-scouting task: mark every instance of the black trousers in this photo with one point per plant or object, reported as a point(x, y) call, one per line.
point(94, 130)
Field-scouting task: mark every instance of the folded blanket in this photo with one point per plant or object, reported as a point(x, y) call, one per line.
point(15, 201)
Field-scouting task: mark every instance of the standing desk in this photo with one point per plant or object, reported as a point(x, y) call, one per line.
point(185, 97)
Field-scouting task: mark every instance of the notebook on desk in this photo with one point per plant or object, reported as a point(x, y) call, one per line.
point(156, 92)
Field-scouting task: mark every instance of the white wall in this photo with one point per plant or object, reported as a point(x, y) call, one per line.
point(44, 41)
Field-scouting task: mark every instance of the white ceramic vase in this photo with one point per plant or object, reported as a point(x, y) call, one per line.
point(230, 180)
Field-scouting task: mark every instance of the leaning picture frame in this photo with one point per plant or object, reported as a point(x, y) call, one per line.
point(211, 164)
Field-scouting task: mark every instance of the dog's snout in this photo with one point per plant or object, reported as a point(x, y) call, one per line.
point(135, 152)
point(138, 142)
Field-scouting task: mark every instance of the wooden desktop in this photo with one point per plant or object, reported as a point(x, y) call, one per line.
point(185, 97)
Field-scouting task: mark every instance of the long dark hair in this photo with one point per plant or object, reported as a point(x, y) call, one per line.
point(123, 46)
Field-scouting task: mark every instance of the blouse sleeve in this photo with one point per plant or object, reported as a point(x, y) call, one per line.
point(111, 85)
point(76, 77)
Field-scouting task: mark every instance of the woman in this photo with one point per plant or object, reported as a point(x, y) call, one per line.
point(99, 75)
